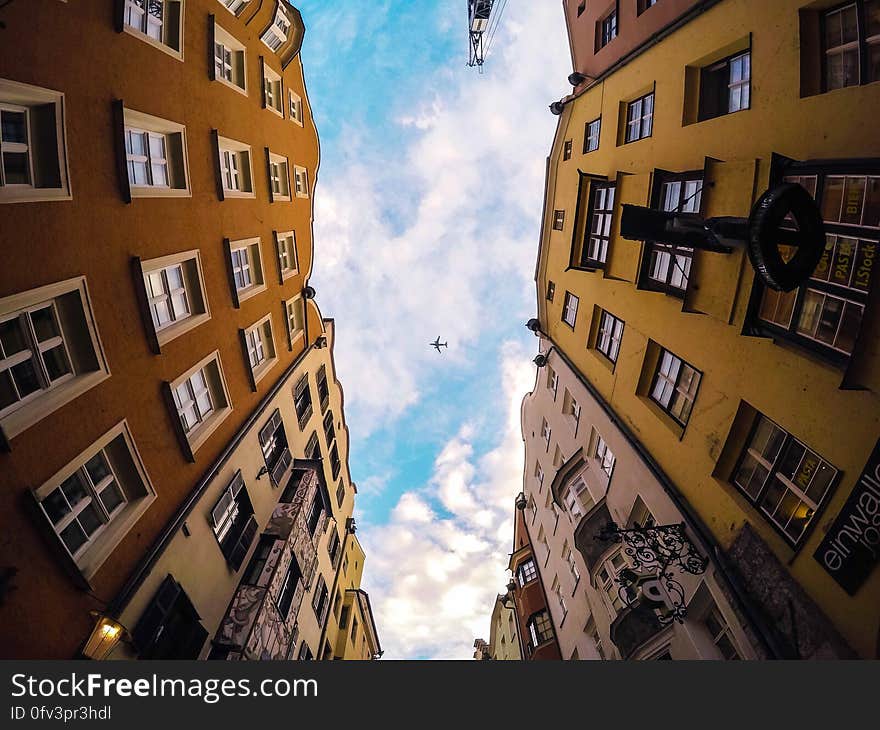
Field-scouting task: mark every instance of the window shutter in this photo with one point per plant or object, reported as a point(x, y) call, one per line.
point(281, 467)
point(152, 621)
point(263, 82)
point(212, 37)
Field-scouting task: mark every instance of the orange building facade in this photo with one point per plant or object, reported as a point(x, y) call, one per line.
point(156, 223)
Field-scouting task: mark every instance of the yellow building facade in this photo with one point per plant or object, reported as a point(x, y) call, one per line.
point(761, 409)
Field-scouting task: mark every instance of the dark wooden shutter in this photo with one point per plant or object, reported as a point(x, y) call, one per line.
point(152, 620)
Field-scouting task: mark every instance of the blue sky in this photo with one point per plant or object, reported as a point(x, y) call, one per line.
point(427, 215)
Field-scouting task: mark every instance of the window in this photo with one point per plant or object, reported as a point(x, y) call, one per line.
point(174, 287)
point(329, 430)
point(155, 156)
point(343, 616)
point(295, 107)
point(640, 516)
point(333, 547)
point(279, 177)
point(725, 87)
point(675, 386)
point(558, 458)
point(526, 572)
point(93, 501)
point(570, 309)
point(246, 268)
point(293, 317)
point(285, 249)
point(558, 220)
point(315, 512)
point(200, 400)
point(825, 313)
point(591, 631)
point(158, 22)
point(719, 632)
point(851, 47)
point(640, 118)
point(668, 265)
point(335, 464)
point(33, 145)
point(578, 500)
point(319, 601)
point(323, 388)
point(305, 654)
point(230, 59)
point(532, 508)
point(539, 475)
point(340, 494)
point(235, 6)
point(556, 589)
point(276, 34)
point(566, 150)
point(253, 574)
point(643, 5)
point(785, 479)
point(49, 352)
point(609, 335)
point(540, 629)
point(606, 581)
point(552, 381)
point(301, 180)
point(288, 587)
point(568, 556)
point(606, 29)
point(313, 448)
point(236, 169)
point(302, 401)
point(601, 212)
point(545, 432)
point(542, 541)
point(581, 7)
point(233, 522)
point(260, 345)
point(169, 628)
point(591, 135)
point(276, 453)
point(604, 456)
point(551, 291)
point(571, 408)
point(273, 96)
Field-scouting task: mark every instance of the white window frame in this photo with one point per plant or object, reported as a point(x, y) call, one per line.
point(141, 122)
point(260, 336)
point(591, 140)
point(180, 326)
point(234, 6)
point(275, 176)
point(275, 31)
point(270, 79)
point(20, 96)
point(34, 408)
point(603, 454)
point(221, 402)
point(609, 335)
point(570, 309)
point(578, 499)
point(638, 120)
point(103, 542)
point(232, 45)
point(301, 181)
point(244, 159)
point(294, 107)
point(255, 267)
point(286, 254)
point(162, 44)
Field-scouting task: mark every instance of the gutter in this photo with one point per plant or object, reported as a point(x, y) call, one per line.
point(769, 643)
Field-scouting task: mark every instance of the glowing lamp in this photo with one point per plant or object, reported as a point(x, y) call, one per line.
point(108, 632)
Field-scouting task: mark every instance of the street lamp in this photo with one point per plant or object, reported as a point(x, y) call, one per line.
point(108, 632)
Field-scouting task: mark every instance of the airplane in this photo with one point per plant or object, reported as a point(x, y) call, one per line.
point(436, 343)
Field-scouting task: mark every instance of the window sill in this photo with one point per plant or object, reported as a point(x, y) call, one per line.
point(674, 426)
point(296, 121)
point(147, 191)
point(294, 338)
point(22, 419)
point(275, 111)
point(167, 334)
point(94, 558)
point(177, 55)
point(243, 194)
point(277, 198)
point(245, 294)
point(287, 274)
point(27, 194)
point(260, 371)
point(234, 87)
point(304, 196)
point(197, 438)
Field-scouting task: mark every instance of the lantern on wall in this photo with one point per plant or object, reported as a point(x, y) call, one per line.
point(108, 632)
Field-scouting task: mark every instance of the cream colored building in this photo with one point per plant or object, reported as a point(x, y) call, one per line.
point(504, 641)
point(286, 476)
point(581, 470)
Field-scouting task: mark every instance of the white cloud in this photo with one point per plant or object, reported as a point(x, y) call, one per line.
point(435, 235)
point(436, 566)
